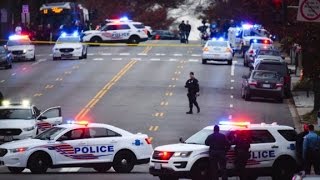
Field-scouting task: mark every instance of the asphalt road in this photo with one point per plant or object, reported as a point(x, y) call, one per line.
point(141, 90)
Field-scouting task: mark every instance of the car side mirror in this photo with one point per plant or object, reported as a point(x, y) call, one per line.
point(42, 118)
point(181, 140)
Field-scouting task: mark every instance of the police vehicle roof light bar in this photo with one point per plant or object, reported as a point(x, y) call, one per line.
point(234, 123)
point(17, 37)
point(78, 122)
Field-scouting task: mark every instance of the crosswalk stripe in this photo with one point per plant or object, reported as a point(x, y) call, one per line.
point(173, 59)
point(177, 55)
point(193, 60)
point(106, 54)
point(98, 59)
point(90, 54)
point(196, 55)
point(142, 54)
point(124, 54)
point(153, 59)
point(116, 59)
point(75, 169)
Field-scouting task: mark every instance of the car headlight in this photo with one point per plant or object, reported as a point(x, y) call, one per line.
point(24, 51)
point(17, 150)
point(29, 128)
point(182, 154)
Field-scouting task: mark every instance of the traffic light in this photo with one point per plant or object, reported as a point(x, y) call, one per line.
point(280, 11)
point(277, 4)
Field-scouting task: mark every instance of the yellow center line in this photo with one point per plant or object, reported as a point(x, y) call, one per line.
point(104, 90)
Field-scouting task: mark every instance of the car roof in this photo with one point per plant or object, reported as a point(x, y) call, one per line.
point(95, 125)
point(261, 126)
point(263, 71)
point(272, 61)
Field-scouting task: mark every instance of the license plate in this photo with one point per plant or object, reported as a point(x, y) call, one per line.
point(266, 85)
point(157, 166)
point(66, 55)
point(216, 55)
point(8, 138)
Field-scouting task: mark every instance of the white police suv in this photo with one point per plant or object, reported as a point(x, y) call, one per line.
point(69, 46)
point(272, 153)
point(118, 31)
point(23, 120)
point(21, 47)
point(78, 144)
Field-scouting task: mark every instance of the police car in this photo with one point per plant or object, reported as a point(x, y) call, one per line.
point(272, 153)
point(78, 144)
point(118, 31)
point(69, 46)
point(21, 48)
point(217, 50)
point(23, 120)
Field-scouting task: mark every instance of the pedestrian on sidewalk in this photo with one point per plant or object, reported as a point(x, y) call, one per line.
point(242, 145)
point(299, 145)
point(188, 30)
point(311, 151)
point(218, 147)
point(182, 30)
point(193, 91)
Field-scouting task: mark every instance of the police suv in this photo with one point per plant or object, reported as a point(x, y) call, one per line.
point(78, 144)
point(23, 120)
point(21, 48)
point(272, 153)
point(118, 31)
point(69, 46)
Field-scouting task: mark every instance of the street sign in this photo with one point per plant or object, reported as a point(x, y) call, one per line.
point(309, 11)
point(25, 9)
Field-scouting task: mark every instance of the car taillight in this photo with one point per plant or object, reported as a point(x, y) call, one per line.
point(251, 52)
point(253, 83)
point(279, 86)
point(148, 140)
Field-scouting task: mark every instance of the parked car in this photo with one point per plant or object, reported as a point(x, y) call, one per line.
point(164, 35)
point(5, 58)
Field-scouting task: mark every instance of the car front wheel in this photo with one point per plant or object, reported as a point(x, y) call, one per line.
point(124, 162)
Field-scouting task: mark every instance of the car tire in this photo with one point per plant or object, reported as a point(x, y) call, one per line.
point(16, 170)
point(204, 61)
point(283, 169)
point(85, 55)
point(102, 168)
point(134, 40)
point(229, 62)
point(124, 162)
point(242, 93)
point(96, 39)
point(246, 96)
point(168, 178)
point(39, 163)
point(34, 58)
point(200, 170)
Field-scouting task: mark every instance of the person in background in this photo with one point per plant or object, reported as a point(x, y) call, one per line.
point(242, 145)
point(182, 30)
point(193, 91)
point(311, 151)
point(218, 147)
point(299, 145)
point(188, 30)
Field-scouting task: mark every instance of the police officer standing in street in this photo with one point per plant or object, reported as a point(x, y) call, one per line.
point(299, 145)
point(193, 91)
point(219, 146)
point(242, 145)
point(311, 151)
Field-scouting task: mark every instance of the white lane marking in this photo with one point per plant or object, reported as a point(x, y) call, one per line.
point(13, 74)
point(42, 60)
point(76, 169)
point(136, 59)
point(98, 59)
point(90, 54)
point(142, 54)
point(39, 61)
point(154, 59)
point(26, 171)
point(116, 59)
point(231, 105)
point(231, 96)
point(2, 81)
point(196, 55)
point(106, 54)
point(24, 68)
point(50, 54)
point(231, 87)
point(232, 80)
point(124, 54)
point(232, 68)
point(38, 55)
point(173, 59)
point(193, 60)
point(159, 54)
point(177, 55)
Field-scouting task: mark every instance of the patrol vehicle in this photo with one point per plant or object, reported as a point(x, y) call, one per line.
point(118, 31)
point(69, 46)
point(78, 144)
point(272, 153)
point(22, 120)
point(21, 47)
point(217, 50)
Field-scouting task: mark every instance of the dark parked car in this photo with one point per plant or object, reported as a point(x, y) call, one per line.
point(266, 84)
point(281, 68)
point(5, 58)
point(164, 35)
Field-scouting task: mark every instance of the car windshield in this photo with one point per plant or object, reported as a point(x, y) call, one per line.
point(269, 53)
point(18, 42)
point(68, 39)
point(15, 114)
point(50, 133)
point(201, 136)
point(265, 75)
point(218, 43)
point(279, 68)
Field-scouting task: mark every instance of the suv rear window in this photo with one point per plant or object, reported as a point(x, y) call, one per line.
point(261, 136)
point(139, 26)
point(279, 68)
point(289, 135)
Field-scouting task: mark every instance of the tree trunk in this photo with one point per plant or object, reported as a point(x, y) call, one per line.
point(316, 90)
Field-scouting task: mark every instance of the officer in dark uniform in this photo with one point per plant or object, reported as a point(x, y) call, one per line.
point(1, 98)
point(219, 146)
point(299, 145)
point(193, 91)
point(242, 145)
point(311, 151)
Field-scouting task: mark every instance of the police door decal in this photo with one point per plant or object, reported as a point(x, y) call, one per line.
point(83, 152)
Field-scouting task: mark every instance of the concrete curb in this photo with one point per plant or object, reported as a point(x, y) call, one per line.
point(295, 116)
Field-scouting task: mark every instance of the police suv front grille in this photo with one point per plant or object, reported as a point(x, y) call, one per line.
point(3, 152)
point(17, 52)
point(66, 50)
point(10, 132)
